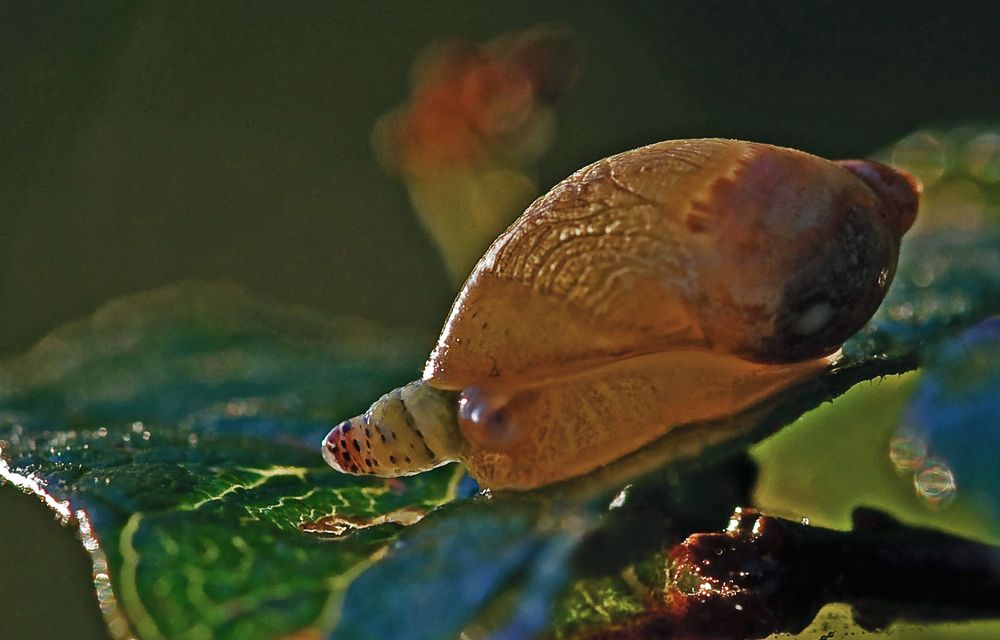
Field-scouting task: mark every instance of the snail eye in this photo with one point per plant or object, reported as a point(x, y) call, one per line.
point(484, 419)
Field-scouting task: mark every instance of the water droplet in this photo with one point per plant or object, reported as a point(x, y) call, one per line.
point(983, 156)
point(923, 276)
point(907, 451)
point(902, 312)
point(619, 499)
point(922, 155)
point(935, 483)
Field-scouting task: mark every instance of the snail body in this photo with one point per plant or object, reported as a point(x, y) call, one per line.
point(671, 284)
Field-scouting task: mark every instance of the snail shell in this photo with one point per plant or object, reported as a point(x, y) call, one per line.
point(675, 283)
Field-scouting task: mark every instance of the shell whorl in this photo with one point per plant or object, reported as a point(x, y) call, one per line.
point(406, 431)
point(705, 244)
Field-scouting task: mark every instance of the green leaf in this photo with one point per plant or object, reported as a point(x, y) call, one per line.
point(179, 429)
point(449, 569)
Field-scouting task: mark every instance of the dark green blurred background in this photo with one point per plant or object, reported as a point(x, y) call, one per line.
point(146, 142)
point(142, 143)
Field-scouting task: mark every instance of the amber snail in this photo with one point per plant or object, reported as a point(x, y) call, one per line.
point(671, 284)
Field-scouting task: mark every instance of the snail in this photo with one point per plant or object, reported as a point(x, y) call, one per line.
point(671, 284)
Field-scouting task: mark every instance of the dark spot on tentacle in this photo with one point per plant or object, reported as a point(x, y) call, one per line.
point(407, 460)
point(382, 435)
point(408, 417)
point(368, 432)
point(345, 426)
point(354, 468)
point(392, 459)
point(357, 446)
point(413, 426)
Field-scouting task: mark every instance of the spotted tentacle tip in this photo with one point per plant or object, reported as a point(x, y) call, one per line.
point(345, 446)
point(397, 436)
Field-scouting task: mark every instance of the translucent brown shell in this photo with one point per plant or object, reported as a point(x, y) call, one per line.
point(681, 244)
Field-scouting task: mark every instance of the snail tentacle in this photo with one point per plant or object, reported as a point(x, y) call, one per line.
point(408, 430)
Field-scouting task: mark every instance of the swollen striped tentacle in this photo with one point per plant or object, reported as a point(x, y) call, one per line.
point(406, 431)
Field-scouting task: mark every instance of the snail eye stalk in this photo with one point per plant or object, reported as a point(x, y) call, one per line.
point(485, 419)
